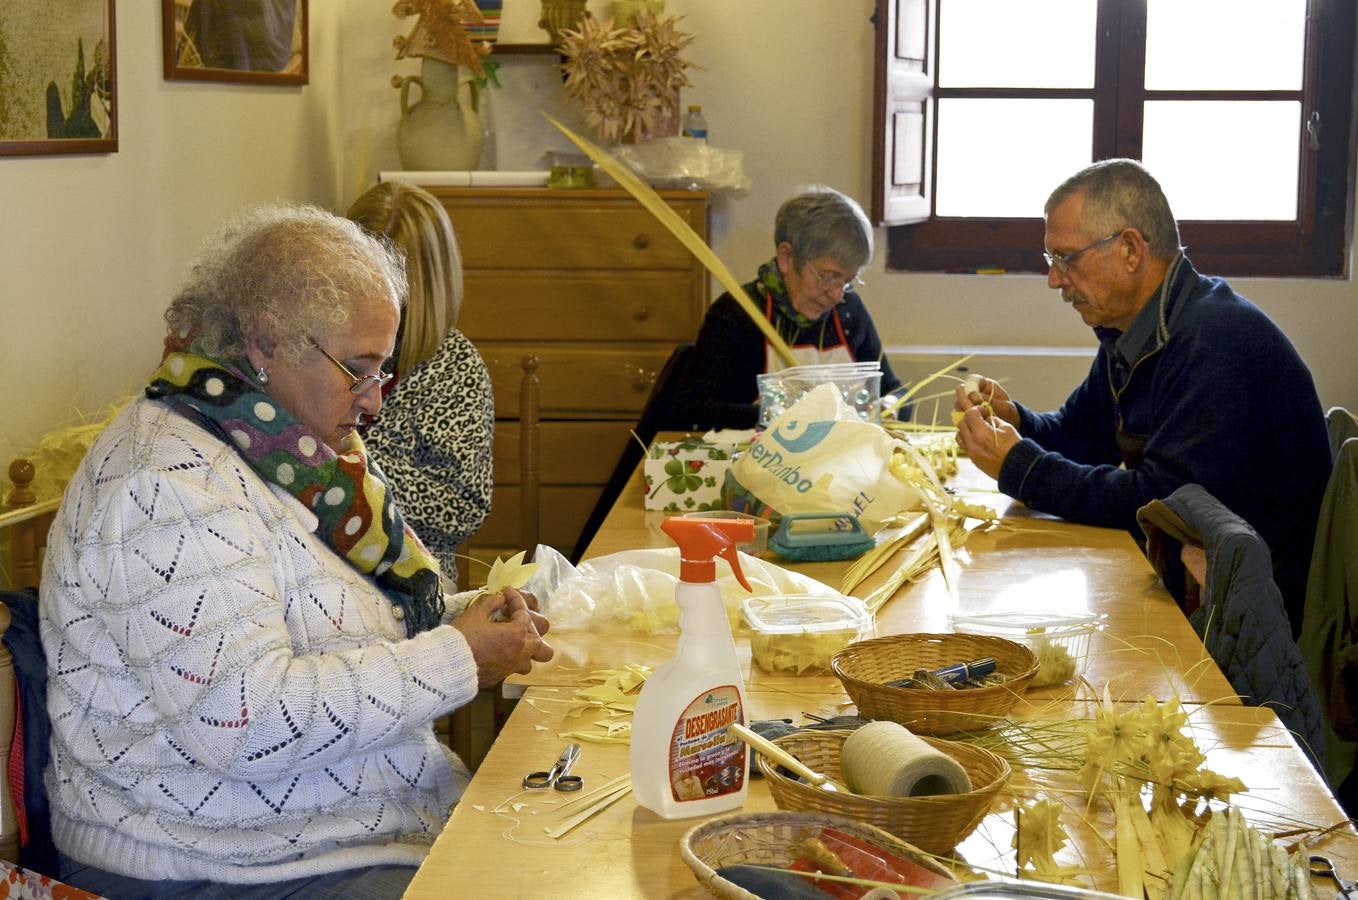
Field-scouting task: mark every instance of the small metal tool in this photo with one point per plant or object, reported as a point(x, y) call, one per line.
point(1322, 867)
point(559, 777)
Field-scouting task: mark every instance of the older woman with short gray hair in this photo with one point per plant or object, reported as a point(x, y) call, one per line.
point(822, 241)
point(246, 644)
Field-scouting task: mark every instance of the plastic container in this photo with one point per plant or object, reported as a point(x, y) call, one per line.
point(1007, 889)
point(802, 632)
point(756, 547)
point(683, 761)
point(1060, 641)
point(860, 384)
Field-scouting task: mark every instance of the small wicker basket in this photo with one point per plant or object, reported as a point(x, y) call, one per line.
point(767, 838)
point(934, 824)
point(865, 667)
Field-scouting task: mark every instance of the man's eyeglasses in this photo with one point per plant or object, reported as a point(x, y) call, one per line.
point(1063, 261)
point(831, 282)
point(357, 383)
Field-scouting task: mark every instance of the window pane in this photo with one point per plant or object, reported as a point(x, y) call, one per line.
point(1224, 44)
point(1000, 43)
point(1223, 159)
point(1003, 157)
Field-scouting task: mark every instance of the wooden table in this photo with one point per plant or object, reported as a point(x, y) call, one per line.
point(625, 851)
point(1029, 562)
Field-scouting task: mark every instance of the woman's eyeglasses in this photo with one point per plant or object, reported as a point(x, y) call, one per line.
point(833, 281)
point(357, 383)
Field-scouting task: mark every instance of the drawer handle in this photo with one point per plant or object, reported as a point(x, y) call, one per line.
point(641, 313)
point(641, 241)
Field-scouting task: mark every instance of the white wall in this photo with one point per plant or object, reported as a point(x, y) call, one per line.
point(91, 248)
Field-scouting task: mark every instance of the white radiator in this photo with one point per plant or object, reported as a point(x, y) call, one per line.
point(1038, 377)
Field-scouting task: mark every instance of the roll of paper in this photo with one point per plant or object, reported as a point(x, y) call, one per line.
point(883, 759)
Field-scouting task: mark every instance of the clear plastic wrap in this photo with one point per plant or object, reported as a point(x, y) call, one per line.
point(633, 591)
point(686, 163)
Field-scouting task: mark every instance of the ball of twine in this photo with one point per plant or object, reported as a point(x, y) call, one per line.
point(883, 759)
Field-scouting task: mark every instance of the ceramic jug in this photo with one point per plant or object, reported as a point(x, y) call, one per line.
point(439, 132)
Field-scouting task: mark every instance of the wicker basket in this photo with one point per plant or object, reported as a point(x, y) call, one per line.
point(934, 824)
point(865, 667)
point(767, 839)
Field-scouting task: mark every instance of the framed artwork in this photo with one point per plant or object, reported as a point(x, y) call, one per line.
point(58, 80)
point(253, 41)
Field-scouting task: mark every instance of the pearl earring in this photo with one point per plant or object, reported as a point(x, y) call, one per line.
point(262, 375)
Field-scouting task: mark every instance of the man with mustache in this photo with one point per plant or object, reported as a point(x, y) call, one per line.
point(1192, 384)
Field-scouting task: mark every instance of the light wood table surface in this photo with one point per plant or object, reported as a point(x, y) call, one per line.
point(1029, 562)
point(489, 849)
point(626, 851)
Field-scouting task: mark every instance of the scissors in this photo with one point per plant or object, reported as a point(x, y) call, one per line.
point(559, 777)
point(1322, 867)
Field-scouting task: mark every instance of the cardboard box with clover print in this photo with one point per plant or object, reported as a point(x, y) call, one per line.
point(686, 476)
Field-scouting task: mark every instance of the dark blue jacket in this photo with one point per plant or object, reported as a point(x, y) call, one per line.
point(30, 673)
point(1218, 397)
point(1241, 619)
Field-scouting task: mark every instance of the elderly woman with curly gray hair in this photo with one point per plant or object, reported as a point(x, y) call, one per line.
point(247, 645)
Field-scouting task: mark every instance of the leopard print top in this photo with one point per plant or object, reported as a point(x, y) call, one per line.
point(433, 441)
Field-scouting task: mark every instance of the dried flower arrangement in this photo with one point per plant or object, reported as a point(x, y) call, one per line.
point(626, 77)
point(438, 32)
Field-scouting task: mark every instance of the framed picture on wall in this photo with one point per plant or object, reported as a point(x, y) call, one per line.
point(254, 41)
point(58, 80)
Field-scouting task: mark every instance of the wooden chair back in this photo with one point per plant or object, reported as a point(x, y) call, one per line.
point(530, 462)
point(26, 522)
point(473, 727)
point(529, 484)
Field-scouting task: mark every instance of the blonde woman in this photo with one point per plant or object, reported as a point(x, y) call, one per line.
point(438, 419)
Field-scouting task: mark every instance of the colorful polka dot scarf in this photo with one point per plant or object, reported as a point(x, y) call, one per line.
point(770, 284)
point(347, 492)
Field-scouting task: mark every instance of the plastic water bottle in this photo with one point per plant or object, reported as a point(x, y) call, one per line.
point(695, 126)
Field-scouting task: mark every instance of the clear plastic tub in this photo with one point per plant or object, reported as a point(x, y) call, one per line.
point(756, 547)
point(1006, 889)
point(860, 384)
point(1060, 641)
point(802, 632)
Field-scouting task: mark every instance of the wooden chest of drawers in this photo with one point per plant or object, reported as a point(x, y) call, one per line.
point(601, 292)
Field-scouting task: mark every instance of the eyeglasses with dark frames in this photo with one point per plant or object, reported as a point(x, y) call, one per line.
point(357, 383)
point(1062, 262)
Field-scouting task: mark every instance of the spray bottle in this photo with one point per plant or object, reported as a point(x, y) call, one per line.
point(684, 763)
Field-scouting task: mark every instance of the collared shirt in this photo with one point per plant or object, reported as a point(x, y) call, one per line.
point(1126, 347)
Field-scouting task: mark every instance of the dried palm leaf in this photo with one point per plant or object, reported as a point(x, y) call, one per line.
point(648, 198)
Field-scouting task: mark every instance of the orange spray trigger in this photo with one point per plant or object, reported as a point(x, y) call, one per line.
point(702, 540)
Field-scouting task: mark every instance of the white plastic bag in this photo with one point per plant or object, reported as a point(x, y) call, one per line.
point(633, 591)
point(818, 457)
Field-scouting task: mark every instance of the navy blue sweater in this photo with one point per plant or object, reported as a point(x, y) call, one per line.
point(718, 387)
point(1217, 397)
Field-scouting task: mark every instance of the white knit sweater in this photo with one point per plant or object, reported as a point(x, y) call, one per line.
point(230, 700)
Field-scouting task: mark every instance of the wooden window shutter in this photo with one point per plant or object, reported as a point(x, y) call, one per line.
point(903, 111)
